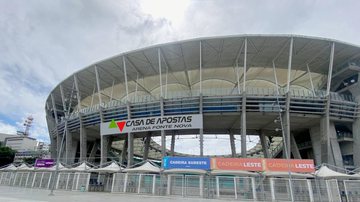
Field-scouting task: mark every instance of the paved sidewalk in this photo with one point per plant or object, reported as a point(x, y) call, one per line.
point(16, 194)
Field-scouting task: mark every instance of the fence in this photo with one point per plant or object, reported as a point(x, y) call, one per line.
point(73, 181)
point(198, 186)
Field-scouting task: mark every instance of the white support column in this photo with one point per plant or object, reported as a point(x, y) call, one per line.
point(160, 76)
point(245, 66)
point(310, 190)
point(67, 181)
point(130, 140)
point(201, 185)
point(98, 85)
point(235, 188)
point(311, 81)
point(42, 177)
point(113, 182)
point(166, 81)
point(168, 188)
point(49, 180)
point(291, 190)
point(275, 77)
point(62, 98)
point(217, 187)
point(92, 97)
point(58, 140)
point(154, 185)
point(126, 81)
point(87, 180)
point(200, 67)
point(77, 92)
point(33, 182)
point(289, 65)
point(331, 62)
point(326, 145)
point(83, 141)
point(243, 105)
point(238, 76)
point(201, 131)
point(112, 90)
point(253, 188)
point(136, 84)
point(103, 139)
point(272, 189)
point(139, 185)
point(126, 182)
point(163, 135)
point(57, 181)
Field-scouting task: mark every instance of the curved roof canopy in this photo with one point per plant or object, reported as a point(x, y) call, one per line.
point(221, 59)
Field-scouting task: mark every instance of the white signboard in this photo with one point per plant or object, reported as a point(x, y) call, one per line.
point(177, 122)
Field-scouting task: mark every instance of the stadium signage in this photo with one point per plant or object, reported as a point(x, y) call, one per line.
point(44, 163)
point(293, 165)
point(262, 164)
point(187, 163)
point(248, 164)
point(194, 121)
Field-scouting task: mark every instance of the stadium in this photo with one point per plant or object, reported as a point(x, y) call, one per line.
point(115, 125)
point(240, 85)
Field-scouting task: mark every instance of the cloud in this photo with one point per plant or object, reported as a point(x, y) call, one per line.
point(7, 128)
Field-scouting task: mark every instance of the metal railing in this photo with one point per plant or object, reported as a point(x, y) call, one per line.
point(192, 185)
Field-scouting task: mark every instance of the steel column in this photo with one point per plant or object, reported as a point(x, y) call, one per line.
point(124, 151)
point(83, 142)
point(200, 67)
point(160, 76)
point(68, 146)
point(172, 147)
point(294, 148)
point(103, 139)
point(146, 146)
point(331, 62)
point(201, 131)
point(264, 144)
point(286, 126)
point(232, 145)
point(125, 77)
point(243, 106)
point(98, 85)
point(289, 65)
point(77, 92)
point(311, 81)
point(326, 147)
point(130, 141)
point(163, 135)
point(83, 145)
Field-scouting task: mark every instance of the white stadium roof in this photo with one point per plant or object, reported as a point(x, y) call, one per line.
point(180, 62)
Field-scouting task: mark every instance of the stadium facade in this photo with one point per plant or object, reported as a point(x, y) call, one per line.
point(299, 94)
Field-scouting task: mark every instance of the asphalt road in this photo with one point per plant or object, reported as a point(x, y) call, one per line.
point(16, 194)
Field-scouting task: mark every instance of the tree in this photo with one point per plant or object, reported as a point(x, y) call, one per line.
point(6, 155)
point(30, 160)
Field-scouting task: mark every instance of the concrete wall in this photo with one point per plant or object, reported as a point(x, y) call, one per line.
point(355, 90)
point(316, 143)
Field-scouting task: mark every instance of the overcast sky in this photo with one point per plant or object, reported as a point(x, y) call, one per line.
point(42, 42)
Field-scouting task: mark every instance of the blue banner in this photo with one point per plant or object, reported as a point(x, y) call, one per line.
point(202, 163)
